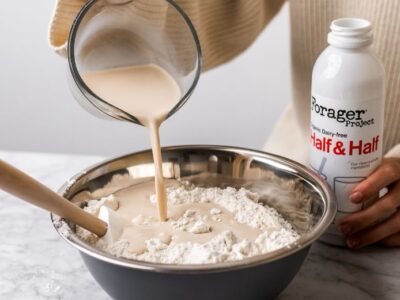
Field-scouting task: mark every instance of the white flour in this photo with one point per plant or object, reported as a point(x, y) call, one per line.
point(276, 232)
point(191, 221)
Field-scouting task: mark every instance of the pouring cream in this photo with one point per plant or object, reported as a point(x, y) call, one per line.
point(146, 92)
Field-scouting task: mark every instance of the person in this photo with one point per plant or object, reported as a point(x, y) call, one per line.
point(228, 27)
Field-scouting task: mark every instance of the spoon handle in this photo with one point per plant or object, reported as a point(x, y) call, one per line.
point(25, 187)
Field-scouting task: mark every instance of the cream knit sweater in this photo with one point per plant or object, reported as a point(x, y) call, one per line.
point(228, 27)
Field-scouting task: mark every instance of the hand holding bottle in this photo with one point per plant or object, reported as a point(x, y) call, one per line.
point(379, 222)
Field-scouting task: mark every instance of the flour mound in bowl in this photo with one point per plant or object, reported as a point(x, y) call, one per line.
point(205, 225)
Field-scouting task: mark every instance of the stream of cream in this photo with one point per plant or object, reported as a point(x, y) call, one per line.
point(146, 92)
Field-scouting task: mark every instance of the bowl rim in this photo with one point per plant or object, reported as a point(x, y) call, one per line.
point(328, 215)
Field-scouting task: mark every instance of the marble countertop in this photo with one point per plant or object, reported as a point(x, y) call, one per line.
point(36, 264)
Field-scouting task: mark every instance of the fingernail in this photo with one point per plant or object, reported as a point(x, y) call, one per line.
point(356, 197)
point(345, 228)
point(351, 243)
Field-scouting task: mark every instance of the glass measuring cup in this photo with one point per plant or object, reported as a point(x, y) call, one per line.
point(118, 33)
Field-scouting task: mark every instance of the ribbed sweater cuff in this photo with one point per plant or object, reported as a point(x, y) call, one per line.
point(60, 24)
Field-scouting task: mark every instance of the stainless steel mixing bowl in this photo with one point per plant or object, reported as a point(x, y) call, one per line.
point(260, 277)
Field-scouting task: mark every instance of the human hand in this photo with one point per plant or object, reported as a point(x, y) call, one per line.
point(379, 222)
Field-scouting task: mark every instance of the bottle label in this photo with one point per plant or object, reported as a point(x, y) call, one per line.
point(345, 144)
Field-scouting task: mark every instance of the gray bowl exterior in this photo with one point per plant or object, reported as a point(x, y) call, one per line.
point(261, 277)
point(262, 282)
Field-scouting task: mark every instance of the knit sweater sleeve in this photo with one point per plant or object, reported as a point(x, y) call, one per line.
point(225, 27)
point(61, 22)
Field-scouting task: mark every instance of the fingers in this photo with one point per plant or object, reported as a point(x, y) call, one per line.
point(387, 173)
point(381, 220)
point(391, 241)
point(382, 231)
point(369, 216)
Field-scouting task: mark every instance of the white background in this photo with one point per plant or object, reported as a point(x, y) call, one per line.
point(235, 104)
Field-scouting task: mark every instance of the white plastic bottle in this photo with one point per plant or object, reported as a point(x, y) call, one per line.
point(347, 106)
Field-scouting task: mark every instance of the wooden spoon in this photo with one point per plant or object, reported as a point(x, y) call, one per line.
point(25, 187)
